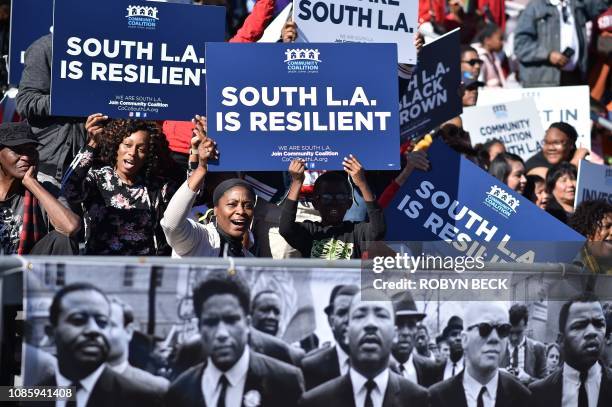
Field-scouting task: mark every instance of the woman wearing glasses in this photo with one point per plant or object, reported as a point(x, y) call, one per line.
point(559, 145)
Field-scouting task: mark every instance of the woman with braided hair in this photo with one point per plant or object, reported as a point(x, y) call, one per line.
point(118, 178)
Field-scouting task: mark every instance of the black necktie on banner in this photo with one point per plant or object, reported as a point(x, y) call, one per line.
point(77, 386)
point(454, 367)
point(369, 385)
point(480, 400)
point(515, 357)
point(223, 383)
point(583, 399)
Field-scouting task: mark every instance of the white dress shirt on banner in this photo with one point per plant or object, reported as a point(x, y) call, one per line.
point(448, 369)
point(343, 360)
point(359, 390)
point(236, 377)
point(571, 385)
point(408, 370)
point(471, 387)
point(87, 386)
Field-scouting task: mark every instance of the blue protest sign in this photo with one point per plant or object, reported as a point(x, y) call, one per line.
point(594, 182)
point(30, 20)
point(457, 201)
point(431, 95)
point(139, 60)
point(271, 103)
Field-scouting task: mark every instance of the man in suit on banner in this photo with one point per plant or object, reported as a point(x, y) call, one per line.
point(582, 381)
point(119, 337)
point(454, 363)
point(233, 375)
point(524, 357)
point(79, 321)
point(482, 383)
point(369, 382)
point(327, 363)
point(410, 364)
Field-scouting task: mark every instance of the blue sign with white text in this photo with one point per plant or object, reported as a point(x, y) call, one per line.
point(138, 60)
point(478, 215)
point(271, 103)
point(30, 20)
point(430, 95)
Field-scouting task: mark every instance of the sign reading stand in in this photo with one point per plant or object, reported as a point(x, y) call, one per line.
point(271, 103)
point(390, 21)
point(138, 60)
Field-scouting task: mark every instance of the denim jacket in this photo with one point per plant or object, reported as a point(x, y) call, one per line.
point(538, 33)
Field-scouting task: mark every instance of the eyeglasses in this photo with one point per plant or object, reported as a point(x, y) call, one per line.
point(555, 143)
point(485, 329)
point(474, 61)
point(331, 197)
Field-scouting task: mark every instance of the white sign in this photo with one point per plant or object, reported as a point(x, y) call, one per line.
point(556, 104)
point(390, 21)
point(594, 182)
point(516, 124)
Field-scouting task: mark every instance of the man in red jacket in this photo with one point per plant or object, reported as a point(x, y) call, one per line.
point(179, 133)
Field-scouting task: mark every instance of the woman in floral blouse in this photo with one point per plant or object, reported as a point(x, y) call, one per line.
point(117, 179)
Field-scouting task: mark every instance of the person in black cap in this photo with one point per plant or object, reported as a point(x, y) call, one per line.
point(452, 333)
point(28, 211)
point(411, 365)
point(329, 362)
point(470, 86)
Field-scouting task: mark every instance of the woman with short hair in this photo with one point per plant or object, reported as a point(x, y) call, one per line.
point(561, 184)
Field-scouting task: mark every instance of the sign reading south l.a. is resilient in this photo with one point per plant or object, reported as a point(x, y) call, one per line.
point(271, 103)
point(516, 124)
point(475, 214)
point(390, 21)
point(139, 59)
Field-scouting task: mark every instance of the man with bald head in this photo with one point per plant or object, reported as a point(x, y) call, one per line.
point(481, 383)
point(369, 382)
point(582, 381)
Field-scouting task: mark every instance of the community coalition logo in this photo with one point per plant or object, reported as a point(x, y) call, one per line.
point(501, 201)
point(500, 111)
point(302, 60)
point(142, 17)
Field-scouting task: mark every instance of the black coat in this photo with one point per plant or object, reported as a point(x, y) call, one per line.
point(279, 384)
point(320, 367)
point(428, 372)
point(339, 393)
point(450, 392)
point(548, 392)
point(191, 353)
point(115, 390)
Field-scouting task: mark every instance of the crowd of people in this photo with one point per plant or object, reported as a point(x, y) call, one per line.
point(382, 353)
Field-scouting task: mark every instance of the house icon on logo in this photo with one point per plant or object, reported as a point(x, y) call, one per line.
point(142, 11)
